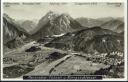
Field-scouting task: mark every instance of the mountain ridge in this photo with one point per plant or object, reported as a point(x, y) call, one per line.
point(84, 40)
point(55, 24)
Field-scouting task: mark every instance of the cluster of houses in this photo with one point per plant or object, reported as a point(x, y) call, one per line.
point(120, 54)
point(112, 58)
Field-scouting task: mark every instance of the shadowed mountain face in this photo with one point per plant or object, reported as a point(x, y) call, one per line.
point(13, 34)
point(105, 44)
point(89, 40)
point(55, 24)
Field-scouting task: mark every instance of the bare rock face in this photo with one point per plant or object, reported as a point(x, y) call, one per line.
point(55, 24)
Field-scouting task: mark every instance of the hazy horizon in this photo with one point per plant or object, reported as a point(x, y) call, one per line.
point(26, 11)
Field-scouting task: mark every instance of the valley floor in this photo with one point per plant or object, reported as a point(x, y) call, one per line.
point(18, 62)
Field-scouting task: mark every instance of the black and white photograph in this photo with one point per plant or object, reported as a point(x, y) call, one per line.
point(63, 39)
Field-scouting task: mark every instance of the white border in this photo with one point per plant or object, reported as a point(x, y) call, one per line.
point(1, 40)
point(125, 19)
point(64, 0)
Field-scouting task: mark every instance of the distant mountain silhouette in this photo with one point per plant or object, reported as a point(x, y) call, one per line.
point(28, 25)
point(91, 22)
point(114, 25)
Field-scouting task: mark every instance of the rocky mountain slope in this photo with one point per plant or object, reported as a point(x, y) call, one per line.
point(55, 24)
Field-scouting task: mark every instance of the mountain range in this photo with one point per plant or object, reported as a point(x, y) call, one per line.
point(59, 41)
point(114, 24)
point(73, 33)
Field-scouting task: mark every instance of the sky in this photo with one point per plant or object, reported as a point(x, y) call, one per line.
point(30, 11)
